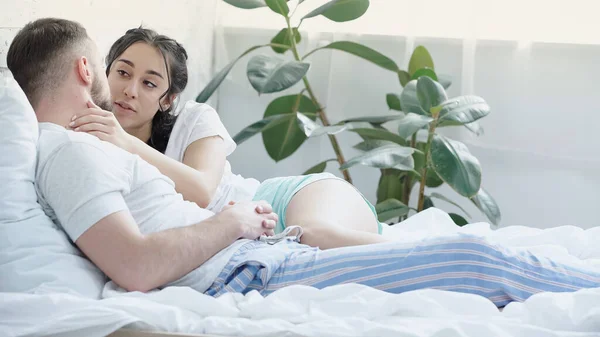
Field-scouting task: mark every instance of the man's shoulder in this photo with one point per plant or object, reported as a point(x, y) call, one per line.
point(55, 139)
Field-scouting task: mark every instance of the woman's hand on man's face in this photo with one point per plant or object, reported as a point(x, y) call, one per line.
point(102, 124)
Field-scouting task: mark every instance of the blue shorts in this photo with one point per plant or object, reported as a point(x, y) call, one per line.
point(279, 192)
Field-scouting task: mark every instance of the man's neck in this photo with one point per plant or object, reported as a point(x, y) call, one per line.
point(61, 106)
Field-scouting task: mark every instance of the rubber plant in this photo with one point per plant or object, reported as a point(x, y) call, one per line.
point(422, 107)
point(289, 120)
point(435, 159)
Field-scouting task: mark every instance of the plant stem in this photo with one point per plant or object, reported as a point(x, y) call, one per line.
point(426, 164)
point(413, 141)
point(310, 53)
point(320, 111)
point(277, 45)
point(408, 178)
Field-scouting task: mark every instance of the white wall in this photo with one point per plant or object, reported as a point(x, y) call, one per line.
point(539, 150)
point(191, 22)
point(535, 62)
point(572, 21)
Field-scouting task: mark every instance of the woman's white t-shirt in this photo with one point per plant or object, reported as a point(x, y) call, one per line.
point(196, 121)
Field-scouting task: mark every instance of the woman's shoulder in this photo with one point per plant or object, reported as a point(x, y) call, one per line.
point(196, 121)
point(192, 110)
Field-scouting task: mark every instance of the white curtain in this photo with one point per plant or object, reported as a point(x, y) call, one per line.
point(535, 62)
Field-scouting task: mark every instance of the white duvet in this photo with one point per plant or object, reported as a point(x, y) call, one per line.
point(348, 310)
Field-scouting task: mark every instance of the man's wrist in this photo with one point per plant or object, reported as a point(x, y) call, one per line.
point(228, 224)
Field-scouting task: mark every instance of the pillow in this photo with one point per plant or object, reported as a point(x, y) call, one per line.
point(35, 255)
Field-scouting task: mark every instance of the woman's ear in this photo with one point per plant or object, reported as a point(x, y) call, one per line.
point(168, 101)
point(84, 70)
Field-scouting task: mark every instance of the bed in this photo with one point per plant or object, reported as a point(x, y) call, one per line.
point(345, 310)
point(42, 277)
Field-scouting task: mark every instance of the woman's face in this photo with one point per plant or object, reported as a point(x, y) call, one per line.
point(137, 79)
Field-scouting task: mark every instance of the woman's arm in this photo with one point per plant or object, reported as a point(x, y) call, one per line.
point(198, 177)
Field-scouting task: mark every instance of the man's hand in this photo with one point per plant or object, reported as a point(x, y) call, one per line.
point(253, 218)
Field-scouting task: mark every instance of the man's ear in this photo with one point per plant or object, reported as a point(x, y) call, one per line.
point(84, 70)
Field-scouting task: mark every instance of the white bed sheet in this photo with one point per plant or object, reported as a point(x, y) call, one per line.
point(348, 310)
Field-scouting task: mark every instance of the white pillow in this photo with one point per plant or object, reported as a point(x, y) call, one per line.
point(35, 255)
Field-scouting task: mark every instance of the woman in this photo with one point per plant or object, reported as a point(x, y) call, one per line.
point(146, 72)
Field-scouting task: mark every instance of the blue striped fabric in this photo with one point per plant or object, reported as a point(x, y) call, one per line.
point(462, 263)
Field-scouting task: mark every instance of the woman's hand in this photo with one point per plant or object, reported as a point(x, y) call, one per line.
point(102, 124)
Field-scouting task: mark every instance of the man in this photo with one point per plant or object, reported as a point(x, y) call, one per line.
point(82, 181)
point(128, 219)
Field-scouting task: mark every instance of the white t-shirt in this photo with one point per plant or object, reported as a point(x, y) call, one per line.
point(196, 121)
point(81, 179)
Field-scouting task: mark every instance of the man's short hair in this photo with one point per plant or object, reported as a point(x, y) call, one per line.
point(38, 57)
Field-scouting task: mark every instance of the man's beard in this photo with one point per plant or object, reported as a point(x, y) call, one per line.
point(98, 96)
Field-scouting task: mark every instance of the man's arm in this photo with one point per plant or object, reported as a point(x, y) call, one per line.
point(140, 263)
point(84, 186)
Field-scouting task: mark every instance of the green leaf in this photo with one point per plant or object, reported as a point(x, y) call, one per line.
point(425, 72)
point(420, 59)
point(260, 126)
point(246, 4)
point(456, 165)
point(441, 197)
point(445, 81)
point(278, 6)
point(430, 93)
point(486, 204)
point(432, 179)
point(373, 119)
point(393, 102)
point(383, 134)
point(458, 220)
point(475, 127)
point(387, 156)
point(312, 129)
point(371, 144)
point(269, 74)
point(390, 208)
point(410, 101)
point(403, 77)
point(412, 123)
point(283, 140)
point(390, 185)
point(363, 52)
point(463, 110)
point(283, 38)
point(427, 203)
point(320, 167)
point(216, 81)
point(341, 10)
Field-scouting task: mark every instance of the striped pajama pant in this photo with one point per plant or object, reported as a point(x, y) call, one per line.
point(462, 263)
